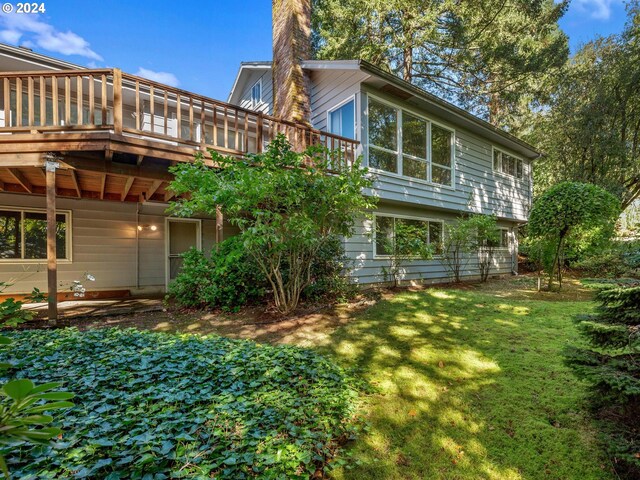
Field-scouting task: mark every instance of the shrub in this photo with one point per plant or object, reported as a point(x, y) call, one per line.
point(458, 244)
point(156, 405)
point(328, 280)
point(617, 259)
point(611, 365)
point(229, 278)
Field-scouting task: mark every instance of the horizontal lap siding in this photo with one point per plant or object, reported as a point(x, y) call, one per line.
point(328, 89)
point(103, 244)
point(477, 188)
point(365, 268)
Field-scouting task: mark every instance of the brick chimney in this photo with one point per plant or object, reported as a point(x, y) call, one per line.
point(291, 45)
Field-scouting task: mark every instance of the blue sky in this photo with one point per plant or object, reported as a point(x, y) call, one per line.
point(197, 45)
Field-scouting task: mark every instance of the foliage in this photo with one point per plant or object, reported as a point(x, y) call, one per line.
point(487, 240)
point(611, 365)
point(591, 130)
point(410, 241)
point(228, 278)
point(11, 311)
point(285, 204)
point(328, 281)
point(486, 55)
point(618, 259)
point(459, 242)
point(157, 405)
point(567, 212)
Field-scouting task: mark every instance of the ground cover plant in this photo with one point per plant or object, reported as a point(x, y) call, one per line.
point(154, 405)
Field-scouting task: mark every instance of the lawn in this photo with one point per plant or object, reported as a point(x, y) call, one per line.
point(465, 383)
point(470, 385)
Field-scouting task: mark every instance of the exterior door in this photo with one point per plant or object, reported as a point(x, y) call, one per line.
point(182, 235)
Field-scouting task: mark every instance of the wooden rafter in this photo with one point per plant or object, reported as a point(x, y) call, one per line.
point(153, 189)
point(140, 159)
point(21, 179)
point(1, 186)
point(168, 195)
point(76, 184)
point(127, 187)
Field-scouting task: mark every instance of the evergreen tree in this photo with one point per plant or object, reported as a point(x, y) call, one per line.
point(611, 365)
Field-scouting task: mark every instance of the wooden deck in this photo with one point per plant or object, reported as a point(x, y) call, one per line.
point(116, 134)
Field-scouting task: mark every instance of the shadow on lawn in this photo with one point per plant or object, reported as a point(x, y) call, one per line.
point(466, 387)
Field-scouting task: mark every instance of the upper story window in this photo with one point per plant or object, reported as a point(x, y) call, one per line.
point(342, 119)
point(406, 144)
point(23, 235)
point(256, 94)
point(508, 164)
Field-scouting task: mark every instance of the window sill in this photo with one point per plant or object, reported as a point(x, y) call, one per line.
point(509, 177)
point(411, 259)
point(411, 179)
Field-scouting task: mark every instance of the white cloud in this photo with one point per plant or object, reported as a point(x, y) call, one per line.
point(19, 26)
point(160, 77)
point(598, 9)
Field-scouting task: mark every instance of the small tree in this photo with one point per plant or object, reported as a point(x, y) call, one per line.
point(487, 239)
point(410, 241)
point(567, 211)
point(459, 241)
point(611, 365)
point(285, 204)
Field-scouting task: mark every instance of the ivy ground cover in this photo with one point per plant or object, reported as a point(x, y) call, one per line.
point(156, 405)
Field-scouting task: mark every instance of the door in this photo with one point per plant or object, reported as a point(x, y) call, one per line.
point(182, 235)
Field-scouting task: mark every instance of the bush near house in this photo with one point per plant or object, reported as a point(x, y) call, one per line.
point(611, 365)
point(153, 405)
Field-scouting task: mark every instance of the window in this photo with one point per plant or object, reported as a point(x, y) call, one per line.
point(256, 94)
point(23, 235)
point(342, 120)
point(507, 164)
point(404, 143)
point(504, 238)
point(385, 227)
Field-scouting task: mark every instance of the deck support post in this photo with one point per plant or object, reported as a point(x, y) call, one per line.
point(52, 264)
point(219, 223)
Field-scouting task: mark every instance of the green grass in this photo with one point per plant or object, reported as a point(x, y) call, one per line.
point(469, 385)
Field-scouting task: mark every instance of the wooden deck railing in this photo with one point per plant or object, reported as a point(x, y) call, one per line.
point(107, 99)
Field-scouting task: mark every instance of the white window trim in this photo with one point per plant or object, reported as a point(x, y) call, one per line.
point(399, 153)
point(351, 98)
point(68, 240)
point(377, 256)
point(508, 246)
point(525, 175)
point(257, 104)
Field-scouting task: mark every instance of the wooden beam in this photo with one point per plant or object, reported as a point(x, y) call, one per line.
point(153, 189)
point(103, 185)
point(52, 263)
point(21, 179)
point(1, 186)
point(140, 159)
point(76, 184)
point(118, 169)
point(219, 226)
point(127, 187)
point(168, 195)
point(19, 160)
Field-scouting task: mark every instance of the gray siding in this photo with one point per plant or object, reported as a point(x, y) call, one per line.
point(267, 91)
point(104, 244)
point(366, 269)
point(477, 188)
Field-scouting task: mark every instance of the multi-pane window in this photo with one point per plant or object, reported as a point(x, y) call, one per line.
point(430, 231)
point(342, 120)
point(403, 143)
point(507, 164)
point(23, 235)
point(256, 94)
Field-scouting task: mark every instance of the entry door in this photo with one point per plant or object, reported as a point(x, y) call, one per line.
point(182, 234)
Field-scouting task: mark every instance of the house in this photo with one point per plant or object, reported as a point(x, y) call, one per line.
point(84, 158)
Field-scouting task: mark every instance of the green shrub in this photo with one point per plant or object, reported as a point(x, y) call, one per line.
point(229, 278)
point(156, 405)
point(611, 365)
point(328, 280)
point(618, 258)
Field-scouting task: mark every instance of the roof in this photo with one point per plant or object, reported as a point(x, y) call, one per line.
point(431, 102)
point(33, 60)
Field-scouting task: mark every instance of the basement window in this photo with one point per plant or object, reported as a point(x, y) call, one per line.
point(23, 235)
point(429, 230)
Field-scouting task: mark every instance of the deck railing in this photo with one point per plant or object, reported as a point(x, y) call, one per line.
point(107, 99)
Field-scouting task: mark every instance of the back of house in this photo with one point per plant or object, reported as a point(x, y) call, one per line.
point(111, 137)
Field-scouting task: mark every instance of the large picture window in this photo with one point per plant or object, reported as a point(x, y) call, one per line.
point(430, 231)
point(403, 143)
point(23, 235)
